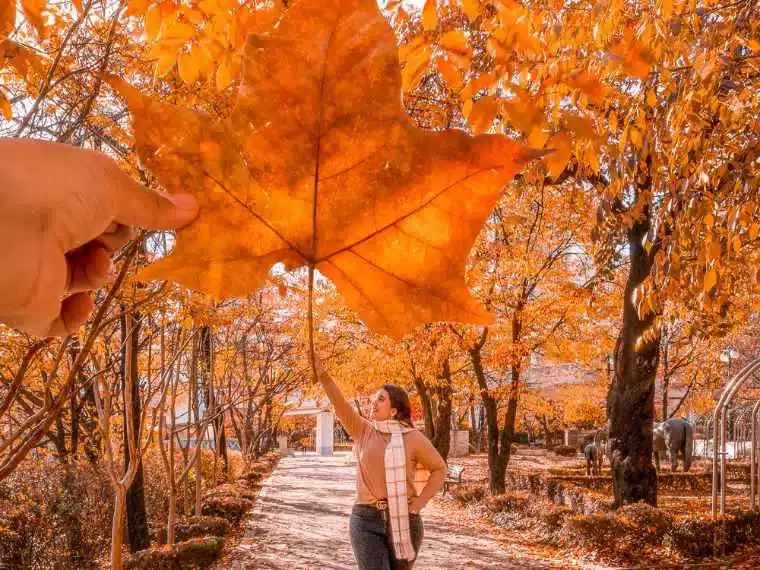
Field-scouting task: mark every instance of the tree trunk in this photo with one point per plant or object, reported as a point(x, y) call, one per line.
point(630, 402)
point(222, 445)
point(665, 380)
point(138, 533)
point(496, 466)
point(442, 425)
point(499, 440)
point(117, 529)
point(195, 394)
point(475, 431)
point(172, 518)
point(427, 406)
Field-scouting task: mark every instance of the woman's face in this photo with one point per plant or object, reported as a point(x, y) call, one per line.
point(381, 407)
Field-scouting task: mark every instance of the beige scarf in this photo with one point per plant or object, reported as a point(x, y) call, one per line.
point(395, 482)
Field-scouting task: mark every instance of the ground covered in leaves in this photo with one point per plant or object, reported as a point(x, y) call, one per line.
point(550, 502)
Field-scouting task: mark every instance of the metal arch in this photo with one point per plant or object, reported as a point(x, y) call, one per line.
point(719, 421)
point(753, 471)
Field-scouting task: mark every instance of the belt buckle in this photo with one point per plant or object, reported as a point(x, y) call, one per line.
point(382, 505)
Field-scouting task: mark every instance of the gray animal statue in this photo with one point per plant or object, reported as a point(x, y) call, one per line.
point(591, 453)
point(674, 436)
point(603, 446)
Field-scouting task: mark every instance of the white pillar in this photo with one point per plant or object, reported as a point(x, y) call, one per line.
point(325, 427)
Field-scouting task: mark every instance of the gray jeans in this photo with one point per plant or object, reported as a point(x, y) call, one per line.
point(372, 542)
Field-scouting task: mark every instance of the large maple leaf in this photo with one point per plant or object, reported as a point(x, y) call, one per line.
point(319, 165)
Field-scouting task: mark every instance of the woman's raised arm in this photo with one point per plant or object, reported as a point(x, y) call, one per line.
point(346, 413)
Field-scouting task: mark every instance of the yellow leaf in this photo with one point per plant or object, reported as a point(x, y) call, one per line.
point(613, 120)
point(709, 220)
point(188, 68)
point(21, 58)
point(223, 74)
point(7, 17)
point(714, 250)
point(33, 11)
point(430, 15)
point(415, 68)
point(635, 137)
point(594, 89)
point(450, 73)
point(556, 162)
point(153, 23)
point(77, 5)
point(203, 59)
point(482, 81)
point(711, 279)
point(165, 63)
point(136, 7)
point(754, 230)
point(396, 245)
point(210, 7)
point(467, 108)
point(179, 31)
point(5, 106)
point(591, 156)
point(482, 114)
point(471, 9)
point(581, 126)
point(651, 98)
point(194, 16)
point(522, 113)
point(538, 136)
point(407, 50)
point(455, 41)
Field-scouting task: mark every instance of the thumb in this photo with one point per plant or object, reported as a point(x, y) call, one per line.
point(142, 207)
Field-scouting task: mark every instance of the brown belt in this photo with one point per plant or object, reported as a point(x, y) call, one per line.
point(381, 505)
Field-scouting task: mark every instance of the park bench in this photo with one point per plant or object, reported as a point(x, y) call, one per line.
point(453, 477)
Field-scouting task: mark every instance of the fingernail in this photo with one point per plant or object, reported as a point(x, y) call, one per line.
point(184, 201)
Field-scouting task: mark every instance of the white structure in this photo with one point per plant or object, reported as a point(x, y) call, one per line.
point(325, 433)
point(324, 442)
point(460, 443)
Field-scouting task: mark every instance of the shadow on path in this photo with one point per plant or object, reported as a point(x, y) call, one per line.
point(301, 521)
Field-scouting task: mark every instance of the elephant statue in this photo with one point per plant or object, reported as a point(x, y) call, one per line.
point(591, 453)
point(603, 446)
point(674, 436)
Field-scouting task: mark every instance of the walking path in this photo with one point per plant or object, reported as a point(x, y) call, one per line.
point(301, 521)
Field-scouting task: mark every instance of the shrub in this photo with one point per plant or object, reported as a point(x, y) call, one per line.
point(194, 527)
point(230, 490)
point(651, 523)
point(466, 494)
point(508, 502)
point(565, 451)
point(54, 515)
point(599, 531)
point(196, 553)
point(552, 517)
point(694, 536)
point(228, 507)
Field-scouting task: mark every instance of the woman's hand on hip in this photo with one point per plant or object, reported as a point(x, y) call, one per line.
point(415, 505)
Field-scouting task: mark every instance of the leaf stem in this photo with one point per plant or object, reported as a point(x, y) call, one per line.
point(310, 318)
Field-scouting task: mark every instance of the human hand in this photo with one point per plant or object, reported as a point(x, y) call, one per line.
point(65, 210)
point(415, 505)
point(319, 369)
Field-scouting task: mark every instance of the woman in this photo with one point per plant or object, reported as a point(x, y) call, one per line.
point(386, 528)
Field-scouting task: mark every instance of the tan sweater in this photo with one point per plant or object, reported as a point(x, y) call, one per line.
point(370, 446)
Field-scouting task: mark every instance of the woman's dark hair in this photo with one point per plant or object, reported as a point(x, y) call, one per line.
point(400, 401)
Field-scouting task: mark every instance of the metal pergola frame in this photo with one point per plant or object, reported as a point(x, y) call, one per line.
point(720, 430)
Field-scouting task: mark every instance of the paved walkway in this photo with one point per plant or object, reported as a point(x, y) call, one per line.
point(301, 521)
